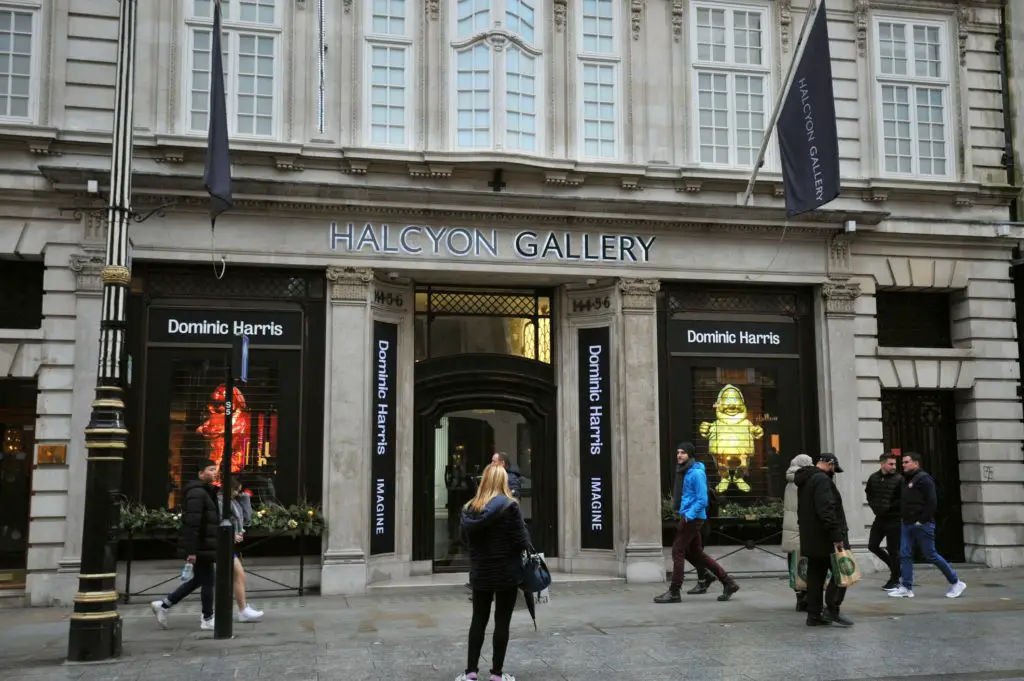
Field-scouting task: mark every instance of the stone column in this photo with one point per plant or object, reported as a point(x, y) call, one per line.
point(346, 449)
point(638, 404)
point(838, 392)
point(88, 302)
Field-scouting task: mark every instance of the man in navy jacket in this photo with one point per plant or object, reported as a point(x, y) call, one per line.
point(693, 506)
point(918, 503)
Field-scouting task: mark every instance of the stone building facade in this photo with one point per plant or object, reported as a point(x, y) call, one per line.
point(474, 222)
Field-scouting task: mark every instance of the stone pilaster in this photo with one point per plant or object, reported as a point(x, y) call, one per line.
point(638, 404)
point(838, 391)
point(346, 451)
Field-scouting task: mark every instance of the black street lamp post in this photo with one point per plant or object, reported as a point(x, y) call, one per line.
point(95, 624)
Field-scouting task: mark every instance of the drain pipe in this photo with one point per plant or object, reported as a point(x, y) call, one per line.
point(1009, 153)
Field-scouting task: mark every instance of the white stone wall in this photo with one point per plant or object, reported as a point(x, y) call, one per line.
point(982, 369)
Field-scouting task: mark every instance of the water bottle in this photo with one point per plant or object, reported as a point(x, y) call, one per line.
point(186, 572)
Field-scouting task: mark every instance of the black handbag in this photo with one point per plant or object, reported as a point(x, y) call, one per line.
point(536, 576)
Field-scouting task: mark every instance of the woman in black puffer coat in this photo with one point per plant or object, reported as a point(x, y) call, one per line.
point(493, 528)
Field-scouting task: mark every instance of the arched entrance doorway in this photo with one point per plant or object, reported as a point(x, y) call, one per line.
point(467, 408)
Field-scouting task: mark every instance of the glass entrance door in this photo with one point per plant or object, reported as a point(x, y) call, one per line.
point(465, 442)
point(17, 440)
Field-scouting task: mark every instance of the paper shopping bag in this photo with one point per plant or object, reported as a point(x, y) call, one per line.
point(845, 570)
point(797, 571)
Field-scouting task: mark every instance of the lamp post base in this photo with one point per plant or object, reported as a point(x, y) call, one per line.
point(95, 640)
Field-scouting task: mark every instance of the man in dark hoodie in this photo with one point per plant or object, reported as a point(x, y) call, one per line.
point(197, 544)
point(823, 531)
point(883, 493)
point(692, 507)
point(918, 503)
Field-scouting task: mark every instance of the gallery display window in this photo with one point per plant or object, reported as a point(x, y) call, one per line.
point(738, 381)
point(17, 440)
point(178, 363)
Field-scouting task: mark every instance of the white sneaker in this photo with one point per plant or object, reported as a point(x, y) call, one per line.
point(901, 592)
point(956, 590)
point(206, 624)
point(250, 614)
point(161, 613)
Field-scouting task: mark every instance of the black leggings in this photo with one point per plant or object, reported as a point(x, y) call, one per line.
point(504, 604)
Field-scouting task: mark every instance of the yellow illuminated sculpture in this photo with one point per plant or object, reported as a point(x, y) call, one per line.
point(731, 438)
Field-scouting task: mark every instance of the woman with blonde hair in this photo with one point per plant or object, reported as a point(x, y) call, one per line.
point(494, 531)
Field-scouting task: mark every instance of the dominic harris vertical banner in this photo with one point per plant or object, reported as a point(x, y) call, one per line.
point(596, 519)
point(382, 470)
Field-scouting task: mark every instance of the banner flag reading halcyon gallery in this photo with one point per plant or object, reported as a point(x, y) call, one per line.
point(808, 140)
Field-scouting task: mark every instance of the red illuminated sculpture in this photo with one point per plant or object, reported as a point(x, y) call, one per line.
point(212, 428)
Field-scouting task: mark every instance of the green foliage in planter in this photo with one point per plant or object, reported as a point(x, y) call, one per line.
point(771, 509)
point(301, 517)
point(269, 518)
point(137, 519)
point(667, 511)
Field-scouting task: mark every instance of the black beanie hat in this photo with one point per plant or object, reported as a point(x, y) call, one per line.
point(688, 448)
point(203, 463)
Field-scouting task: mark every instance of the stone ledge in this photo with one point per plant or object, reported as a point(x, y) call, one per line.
point(927, 374)
point(925, 353)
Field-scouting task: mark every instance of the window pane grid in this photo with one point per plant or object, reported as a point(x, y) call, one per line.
point(598, 27)
point(248, 11)
point(473, 94)
point(713, 117)
point(750, 120)
point(472, 16)
point(914, 130)
point(599, 117)
point(15, 63)
point(255, 85)
point(520, 18)
point(521, 101)
point(931, 131)
point(388, 89)
point(747, 36)
point(711, 35)
point(389, 17)
point(896, 128)
point(199, 105)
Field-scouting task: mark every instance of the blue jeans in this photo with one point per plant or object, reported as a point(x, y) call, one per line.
point(923, 537)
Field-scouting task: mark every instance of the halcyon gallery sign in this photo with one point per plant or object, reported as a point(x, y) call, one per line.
point(478, 242)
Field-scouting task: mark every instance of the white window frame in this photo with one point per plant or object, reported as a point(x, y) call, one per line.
point(35, 8)
point(372, 40)
point(497, 35)
point(613, 59)
point(231, 28)
point(912, 82)
point(732, 69)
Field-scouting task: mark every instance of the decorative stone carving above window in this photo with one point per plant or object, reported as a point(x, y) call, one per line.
point(923, 273)
point(87, 268)
point(840, 298)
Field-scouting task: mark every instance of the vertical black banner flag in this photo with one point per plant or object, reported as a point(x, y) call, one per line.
point(382, 433)
point(217, 176)
point(596, 519)
point(808, 139)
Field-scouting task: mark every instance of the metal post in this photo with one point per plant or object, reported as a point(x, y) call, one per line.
point(222, 622)
point(95, 632)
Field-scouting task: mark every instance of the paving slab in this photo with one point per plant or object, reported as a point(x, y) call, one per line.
point(600, 629)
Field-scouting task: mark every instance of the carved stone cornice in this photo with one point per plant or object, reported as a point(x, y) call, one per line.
point(840, 298)
point(350, 283)
point(639, 294)
point(87, 267)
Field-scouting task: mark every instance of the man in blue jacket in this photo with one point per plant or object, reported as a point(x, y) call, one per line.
point(692, 509)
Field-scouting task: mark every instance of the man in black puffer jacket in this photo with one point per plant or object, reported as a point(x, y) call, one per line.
point(197, 544)
point(883, 493)
point(823, 530)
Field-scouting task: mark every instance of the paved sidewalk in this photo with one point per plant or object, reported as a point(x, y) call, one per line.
point(588, 631)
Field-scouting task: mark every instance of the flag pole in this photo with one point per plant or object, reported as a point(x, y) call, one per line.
point(787, 83)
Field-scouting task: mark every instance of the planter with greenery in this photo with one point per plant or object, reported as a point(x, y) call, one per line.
point(269, 520)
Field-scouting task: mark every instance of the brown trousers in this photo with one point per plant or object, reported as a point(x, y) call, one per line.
point(689, 545)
